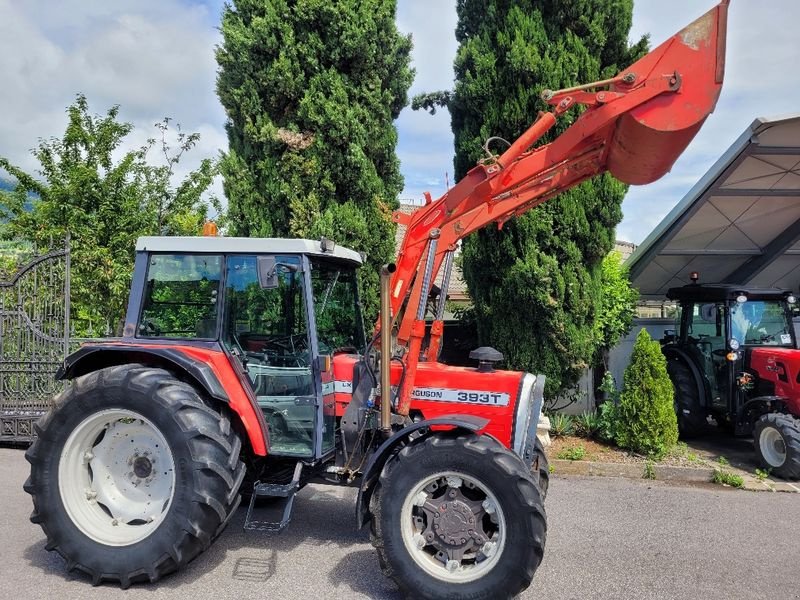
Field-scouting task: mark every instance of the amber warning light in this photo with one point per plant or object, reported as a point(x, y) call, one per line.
point(210, 229)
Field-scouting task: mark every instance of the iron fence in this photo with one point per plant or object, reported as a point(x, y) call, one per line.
point(34, 339)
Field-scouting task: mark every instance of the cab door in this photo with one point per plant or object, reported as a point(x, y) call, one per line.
point(268, 326)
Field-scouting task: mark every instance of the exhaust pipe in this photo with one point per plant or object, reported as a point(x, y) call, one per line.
point(386, 347)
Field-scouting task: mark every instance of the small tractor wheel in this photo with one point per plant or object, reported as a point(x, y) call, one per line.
point(777, 442)
point(692, 420)
point(459, 517)
point(541, 466)
point(132, 474)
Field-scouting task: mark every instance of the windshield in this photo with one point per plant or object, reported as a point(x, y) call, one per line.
point(336, 308)
point(761, 322)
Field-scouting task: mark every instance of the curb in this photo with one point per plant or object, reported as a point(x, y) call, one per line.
point(663, 473)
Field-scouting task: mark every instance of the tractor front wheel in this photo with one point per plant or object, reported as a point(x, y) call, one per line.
point(459, 517)
point(132, 474)
point(777, 442)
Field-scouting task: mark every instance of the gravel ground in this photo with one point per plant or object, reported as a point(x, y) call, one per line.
point(609, 538)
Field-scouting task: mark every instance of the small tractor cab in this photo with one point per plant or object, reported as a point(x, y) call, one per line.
point(734, 357)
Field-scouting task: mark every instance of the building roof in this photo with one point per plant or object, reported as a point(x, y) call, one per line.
point(740, 224)
point(239, 245)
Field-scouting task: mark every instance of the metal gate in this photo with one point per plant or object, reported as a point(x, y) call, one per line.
point(34, 339)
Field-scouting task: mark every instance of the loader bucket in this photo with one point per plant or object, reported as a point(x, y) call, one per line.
point(648, 140)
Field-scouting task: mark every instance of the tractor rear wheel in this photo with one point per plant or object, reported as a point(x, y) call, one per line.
point(132, 474)
point(777, 442)
point(692, 421)
point(459, 517)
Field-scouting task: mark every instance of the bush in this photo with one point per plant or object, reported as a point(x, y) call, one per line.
point(574, 453)
point(587, 425)
point(607, 422)
point(560, 424)
point(646, 420)
point(607, 413)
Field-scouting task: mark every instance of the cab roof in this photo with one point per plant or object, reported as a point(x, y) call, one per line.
point(711, 292)
point(241, 245)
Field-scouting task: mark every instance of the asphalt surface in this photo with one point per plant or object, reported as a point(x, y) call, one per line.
point(608, 538)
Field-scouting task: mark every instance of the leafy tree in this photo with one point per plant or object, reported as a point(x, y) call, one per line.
point(645, 416)
point(311, 88)
point(618, 300)
point(103, 204)
point(536, 285)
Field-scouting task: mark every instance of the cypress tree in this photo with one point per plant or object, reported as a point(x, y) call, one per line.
point(536, 283)
point(311, 88)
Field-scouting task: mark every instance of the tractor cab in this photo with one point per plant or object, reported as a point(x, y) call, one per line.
point(279, 308)
point(720, 331)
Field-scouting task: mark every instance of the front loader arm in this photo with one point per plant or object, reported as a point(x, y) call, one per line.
point(635, 126)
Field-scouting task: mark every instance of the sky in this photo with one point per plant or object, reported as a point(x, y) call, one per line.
point(155, 58)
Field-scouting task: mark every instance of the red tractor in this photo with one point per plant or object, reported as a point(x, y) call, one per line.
point(734, 357)
point(245, 360)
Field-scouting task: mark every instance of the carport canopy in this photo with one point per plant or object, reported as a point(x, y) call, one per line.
point(740, 224)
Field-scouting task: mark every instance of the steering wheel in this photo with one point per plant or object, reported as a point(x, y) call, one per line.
point(149, 328)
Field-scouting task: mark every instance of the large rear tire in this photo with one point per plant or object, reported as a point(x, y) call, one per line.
point(777, 441)
point(692, 417)
point(132, 474)
point(458, 517)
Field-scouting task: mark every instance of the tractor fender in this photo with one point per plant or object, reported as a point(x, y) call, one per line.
point(766, 404)
point(96, 357)
point(466, 423)
point(193, 363)
point(702, 386)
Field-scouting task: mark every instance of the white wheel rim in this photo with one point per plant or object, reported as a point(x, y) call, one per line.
point(773, 446)
point(430, 550)
point(116, 477)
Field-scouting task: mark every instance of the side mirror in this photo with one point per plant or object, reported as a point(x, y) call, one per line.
point(267, 272)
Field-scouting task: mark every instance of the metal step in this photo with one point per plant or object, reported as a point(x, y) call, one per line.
point(278, 515)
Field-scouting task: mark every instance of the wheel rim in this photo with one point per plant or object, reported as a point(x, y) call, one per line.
point(116, 477)
point(453, 527)
point(773, 446)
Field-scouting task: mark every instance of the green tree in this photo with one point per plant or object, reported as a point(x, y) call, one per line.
point(645, 417)
point(311, 88)
point(536, 285)
point(104, 204)
point(618, 300)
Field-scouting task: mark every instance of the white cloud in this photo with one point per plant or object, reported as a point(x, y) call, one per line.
point(152, 57)
point(155, 59)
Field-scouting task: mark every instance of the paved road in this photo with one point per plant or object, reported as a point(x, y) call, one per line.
point(608, 539)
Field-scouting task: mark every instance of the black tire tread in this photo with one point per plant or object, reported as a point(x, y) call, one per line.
point(541, 465)
point(789, 427)
point(214, 447)
point(518, 477)
point(686, 397)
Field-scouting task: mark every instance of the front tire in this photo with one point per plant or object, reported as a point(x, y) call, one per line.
point(541, 466)
point(459, 517)
point(777, 441)
point(132, 474)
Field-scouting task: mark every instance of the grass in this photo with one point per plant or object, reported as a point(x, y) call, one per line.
point(762, 474)
point(649, 470)
point(726, 478)
point(574, 453)
point(723, 461)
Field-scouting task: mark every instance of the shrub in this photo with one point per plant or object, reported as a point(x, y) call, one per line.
point(607, 422)
point(574, 453)
point(560, 424)
point(646, 420)
point(726, 478)
point(587, 424)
